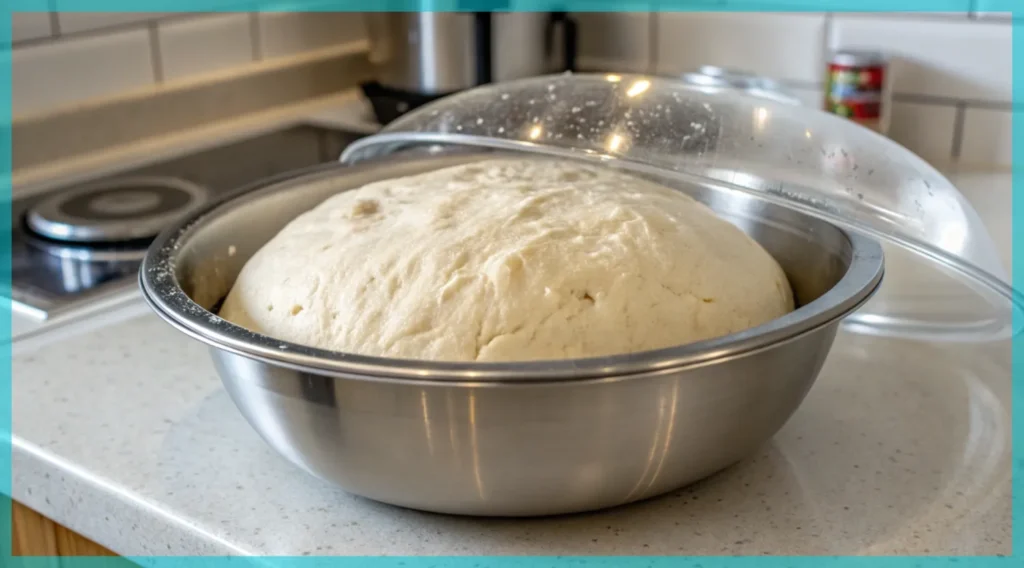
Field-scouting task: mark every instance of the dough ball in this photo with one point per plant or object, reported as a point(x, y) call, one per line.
point(507, 260)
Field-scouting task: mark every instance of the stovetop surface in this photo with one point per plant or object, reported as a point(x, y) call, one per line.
point(49, 276)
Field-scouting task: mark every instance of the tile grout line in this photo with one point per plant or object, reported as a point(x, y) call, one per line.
point(652, 42)
point(958, 130)
point(54, 20)
point(826, 49)
point(952, 101)
point(255, 36)
point(826, 37)
point(155, 54)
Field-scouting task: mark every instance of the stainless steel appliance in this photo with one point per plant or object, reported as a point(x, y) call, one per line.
point(422, 56)
point(74, 245)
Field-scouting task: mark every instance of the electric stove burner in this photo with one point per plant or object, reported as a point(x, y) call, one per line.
point(88, 252)
point(79, 246)
point(115, 211)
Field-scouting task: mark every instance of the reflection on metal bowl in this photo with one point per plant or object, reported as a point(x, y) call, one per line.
point(510, 439)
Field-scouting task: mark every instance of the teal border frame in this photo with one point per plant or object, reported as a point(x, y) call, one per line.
point(7, 7)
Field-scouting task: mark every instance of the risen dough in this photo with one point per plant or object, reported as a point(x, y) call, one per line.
point(506, 260)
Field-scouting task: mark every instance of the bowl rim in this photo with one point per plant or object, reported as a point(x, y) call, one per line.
point(165, 296)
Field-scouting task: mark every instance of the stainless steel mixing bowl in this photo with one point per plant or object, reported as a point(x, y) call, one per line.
point(510, 439)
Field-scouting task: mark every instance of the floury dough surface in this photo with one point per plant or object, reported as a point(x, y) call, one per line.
point(505, 260)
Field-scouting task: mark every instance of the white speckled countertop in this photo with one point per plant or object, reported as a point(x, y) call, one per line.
point(123, 433)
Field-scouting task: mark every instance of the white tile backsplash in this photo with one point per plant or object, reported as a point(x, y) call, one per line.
point(74, 22)
point(204, 44)
point(925, 129)
point(958, 59)
point(781, 45)
point(988, 136)
point(615, 42)
point(288, 33)
point(78, 69)
point(65, 58)
point(30, 25)
point(942, 58)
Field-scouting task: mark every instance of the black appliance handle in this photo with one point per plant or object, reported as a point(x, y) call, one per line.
point(482, 36)
point(569, 38)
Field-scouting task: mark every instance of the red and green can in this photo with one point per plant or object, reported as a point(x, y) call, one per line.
point(855, 87)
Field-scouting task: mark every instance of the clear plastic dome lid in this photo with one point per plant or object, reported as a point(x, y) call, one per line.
point(944, 277)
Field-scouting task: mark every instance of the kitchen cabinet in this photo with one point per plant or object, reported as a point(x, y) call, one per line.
point(36, 535)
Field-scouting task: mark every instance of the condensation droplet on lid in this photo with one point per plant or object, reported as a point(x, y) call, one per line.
point(479, 121)
point(504, 97)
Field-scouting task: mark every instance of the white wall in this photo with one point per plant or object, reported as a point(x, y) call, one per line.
point(951, 72)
